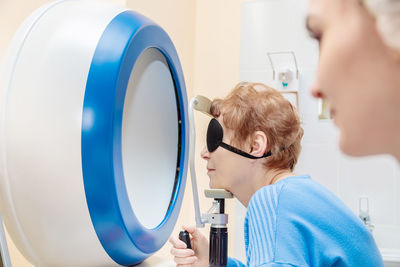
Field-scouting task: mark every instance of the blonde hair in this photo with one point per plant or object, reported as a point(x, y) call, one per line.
point(387, 14)
point(254, 107)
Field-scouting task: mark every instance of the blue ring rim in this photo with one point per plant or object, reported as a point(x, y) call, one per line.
point(122, 236)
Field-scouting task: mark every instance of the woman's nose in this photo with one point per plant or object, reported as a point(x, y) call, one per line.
point(316, 90)
point(205, 154)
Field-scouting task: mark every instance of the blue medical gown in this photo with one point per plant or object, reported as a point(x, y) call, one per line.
point(298, 222)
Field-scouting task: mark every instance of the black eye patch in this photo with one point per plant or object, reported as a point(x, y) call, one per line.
point(215, 134)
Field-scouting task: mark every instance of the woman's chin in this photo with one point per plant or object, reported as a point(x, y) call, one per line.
point(353, 147)
point(345, 147)
point(215, 186)
point(211, 185)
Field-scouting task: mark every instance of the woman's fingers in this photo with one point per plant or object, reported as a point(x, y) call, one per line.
point(177, 243)
point(186, 260)
point(194, 232)
point(184, 257)
point(178, 252)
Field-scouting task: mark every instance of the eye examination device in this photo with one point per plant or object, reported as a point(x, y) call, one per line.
point(94, 136)
point(218, 251)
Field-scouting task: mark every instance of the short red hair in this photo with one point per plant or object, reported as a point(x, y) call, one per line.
point(254, 107)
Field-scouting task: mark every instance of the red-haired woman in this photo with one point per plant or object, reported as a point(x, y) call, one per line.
point(253, 144)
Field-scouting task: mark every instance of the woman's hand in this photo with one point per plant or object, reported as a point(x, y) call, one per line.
point(196, 257)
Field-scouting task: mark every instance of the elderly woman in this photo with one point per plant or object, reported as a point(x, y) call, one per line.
point(291, 220)
point(359, 71)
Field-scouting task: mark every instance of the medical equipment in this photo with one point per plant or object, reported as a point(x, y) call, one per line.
point(218, 254)
point(92, 97)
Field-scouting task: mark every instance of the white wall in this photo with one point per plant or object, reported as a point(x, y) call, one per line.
point(270, 25)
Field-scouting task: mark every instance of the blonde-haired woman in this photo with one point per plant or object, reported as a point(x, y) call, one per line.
point(359, 71)
point(253, 144)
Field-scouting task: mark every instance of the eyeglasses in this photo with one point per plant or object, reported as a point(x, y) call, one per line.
point(215, 134)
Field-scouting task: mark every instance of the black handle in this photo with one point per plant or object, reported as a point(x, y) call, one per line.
point(184, 236)
point(218, 246)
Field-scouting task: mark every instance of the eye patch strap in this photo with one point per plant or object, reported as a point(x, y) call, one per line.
point(242, 153)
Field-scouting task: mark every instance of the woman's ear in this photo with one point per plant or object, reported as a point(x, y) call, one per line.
point(259, 144)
